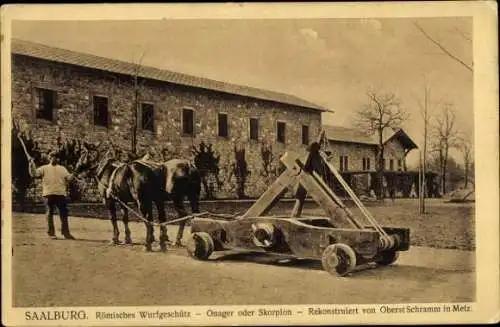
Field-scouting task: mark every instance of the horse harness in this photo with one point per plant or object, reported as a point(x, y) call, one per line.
point(109, 194)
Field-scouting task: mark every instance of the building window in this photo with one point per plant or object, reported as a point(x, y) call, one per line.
point(254, 129)
point(188, 121)
point(385, 164)
point(147, 117)
point(222, 119)
point(101, 113)
point(280, 132)
point(45, 104)
point(344, 163)
point(366, 163)
point(400, 164)
point(305, 135)
point(391, 164)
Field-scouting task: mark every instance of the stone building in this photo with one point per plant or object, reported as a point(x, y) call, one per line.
point(354, 154)
point(61, 94)
point(354, 151)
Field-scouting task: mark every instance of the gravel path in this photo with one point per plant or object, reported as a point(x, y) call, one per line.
point(89, 272)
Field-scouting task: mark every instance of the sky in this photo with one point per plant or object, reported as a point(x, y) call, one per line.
point(331, 62)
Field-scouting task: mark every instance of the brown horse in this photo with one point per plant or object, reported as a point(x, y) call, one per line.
point(145, 184)
point(182, 180)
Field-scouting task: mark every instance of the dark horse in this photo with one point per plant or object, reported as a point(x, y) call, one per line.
point(182, 180)
point(145, 184)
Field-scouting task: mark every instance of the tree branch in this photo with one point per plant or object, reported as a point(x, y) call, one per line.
point(463, 34)
point(442, 47)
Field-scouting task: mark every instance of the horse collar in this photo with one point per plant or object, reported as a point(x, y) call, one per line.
point(100, 168)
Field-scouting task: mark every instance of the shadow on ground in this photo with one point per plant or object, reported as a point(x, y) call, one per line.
point(367, 271)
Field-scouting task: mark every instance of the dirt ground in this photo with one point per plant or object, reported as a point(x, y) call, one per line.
point(90, 272)
point(444, 226)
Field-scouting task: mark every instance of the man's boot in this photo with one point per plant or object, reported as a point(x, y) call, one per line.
point(65, 229)
point(51, 229)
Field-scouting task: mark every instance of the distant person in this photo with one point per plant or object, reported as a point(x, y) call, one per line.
point(55, 179)
point(392, 193)
point(384, 188)
point(413, 192)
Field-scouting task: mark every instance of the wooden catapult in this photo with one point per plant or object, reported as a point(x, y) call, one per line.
point(339, 240)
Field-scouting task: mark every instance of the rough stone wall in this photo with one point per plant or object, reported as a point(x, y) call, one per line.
point(395, 151)
point(355, 153)
point(76, 86)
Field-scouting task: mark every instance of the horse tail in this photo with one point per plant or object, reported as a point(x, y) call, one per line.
point(195, 177)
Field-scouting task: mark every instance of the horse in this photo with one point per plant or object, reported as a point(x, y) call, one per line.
point(121, 183)
point(144, 183)
point(183, 180)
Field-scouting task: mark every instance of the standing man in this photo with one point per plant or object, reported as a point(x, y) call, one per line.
point(54, 189)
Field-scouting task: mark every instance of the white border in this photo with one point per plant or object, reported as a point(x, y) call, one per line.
point(486, 309)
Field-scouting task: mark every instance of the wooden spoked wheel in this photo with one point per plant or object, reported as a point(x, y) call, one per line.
point(200, 245)
point(338, 259)
point(387, 257)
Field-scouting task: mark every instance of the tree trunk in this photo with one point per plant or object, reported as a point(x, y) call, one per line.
point(441, 169)
point(445, 166)
point(380, 170)
point(466, 174)
point(134, 118)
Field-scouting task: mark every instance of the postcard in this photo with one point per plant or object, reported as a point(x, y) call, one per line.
point(250, 164)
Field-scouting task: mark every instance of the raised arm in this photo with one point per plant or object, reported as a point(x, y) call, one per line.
point(34, 172)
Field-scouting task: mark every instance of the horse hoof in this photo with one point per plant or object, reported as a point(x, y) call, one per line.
point(178, 244)
point(148, 249)
point(114, 242)
point(163, 248)
point(128, 241)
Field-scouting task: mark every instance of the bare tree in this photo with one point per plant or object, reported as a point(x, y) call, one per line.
point(426, 104)
point(424, 111)
point(443, 48)
point(136, 103)
point(465, 146)
point(446, 137)
point(382, 112)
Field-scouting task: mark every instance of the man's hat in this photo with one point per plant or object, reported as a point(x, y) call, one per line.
point(53, 154)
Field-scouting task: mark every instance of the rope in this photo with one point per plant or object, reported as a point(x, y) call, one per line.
point(356, 200)
point(24, 148)
point(31, 158)
point(351, 193)
point(141, 217)
point(350, 216)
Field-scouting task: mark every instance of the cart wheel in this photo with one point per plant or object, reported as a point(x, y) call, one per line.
point(387, 257)
point(200, 245)
point(338, 259)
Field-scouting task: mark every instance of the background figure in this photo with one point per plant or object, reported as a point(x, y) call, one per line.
point(55, 180)
point(392, 193)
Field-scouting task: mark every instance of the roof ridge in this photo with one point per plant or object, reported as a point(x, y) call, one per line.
point(218, 85)
point(355, 135)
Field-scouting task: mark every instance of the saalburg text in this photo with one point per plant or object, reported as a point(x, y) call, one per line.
point(56, 315)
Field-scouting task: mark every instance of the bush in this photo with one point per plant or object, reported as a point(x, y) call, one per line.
point(21, 179)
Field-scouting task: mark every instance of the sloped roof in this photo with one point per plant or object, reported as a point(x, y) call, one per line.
point(345, 134)
point(404, 138)
point(352, 135)
point(41, 51)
